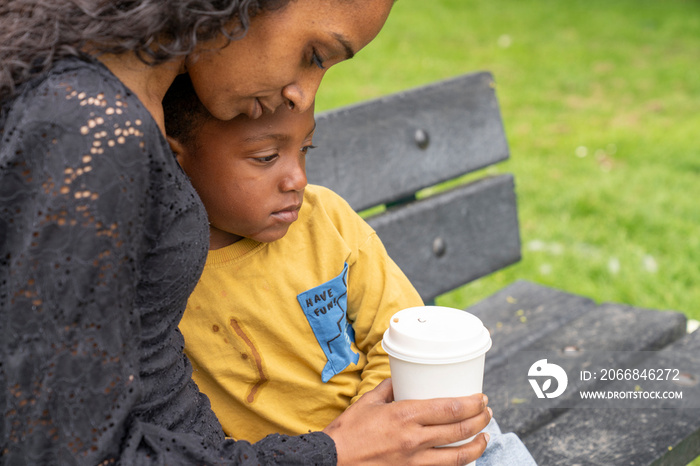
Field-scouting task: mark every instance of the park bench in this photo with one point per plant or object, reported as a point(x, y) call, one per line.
point(384, 156)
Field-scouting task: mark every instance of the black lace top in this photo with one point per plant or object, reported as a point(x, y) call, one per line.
point(102, 238)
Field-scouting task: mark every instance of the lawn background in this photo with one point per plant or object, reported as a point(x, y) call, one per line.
point(601, 105)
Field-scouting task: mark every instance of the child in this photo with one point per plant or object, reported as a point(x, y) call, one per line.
point(284, 327)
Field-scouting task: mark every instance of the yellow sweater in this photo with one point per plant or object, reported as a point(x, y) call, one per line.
point(283, 336)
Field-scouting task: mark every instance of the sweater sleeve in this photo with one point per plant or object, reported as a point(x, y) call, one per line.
point(379, 290)
point(69, 327)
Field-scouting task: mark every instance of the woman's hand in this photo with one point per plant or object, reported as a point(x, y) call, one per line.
point(376, 430)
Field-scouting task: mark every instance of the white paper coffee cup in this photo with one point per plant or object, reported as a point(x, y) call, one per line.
point(436, 352)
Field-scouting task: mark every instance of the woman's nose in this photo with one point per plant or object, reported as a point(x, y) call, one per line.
point(300, 95)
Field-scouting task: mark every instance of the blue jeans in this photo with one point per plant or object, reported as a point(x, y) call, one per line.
point(504, 449)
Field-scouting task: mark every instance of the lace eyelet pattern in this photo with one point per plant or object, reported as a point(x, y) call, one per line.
point(102, 239)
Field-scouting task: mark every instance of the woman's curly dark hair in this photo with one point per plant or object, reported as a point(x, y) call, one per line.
point(36, 33)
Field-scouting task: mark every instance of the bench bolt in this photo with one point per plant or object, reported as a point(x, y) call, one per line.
point(421, 138)
point(439, 247)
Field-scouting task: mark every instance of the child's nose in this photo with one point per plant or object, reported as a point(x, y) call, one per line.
point(296, 177)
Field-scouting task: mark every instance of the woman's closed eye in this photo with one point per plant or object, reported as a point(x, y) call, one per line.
point(317, 60)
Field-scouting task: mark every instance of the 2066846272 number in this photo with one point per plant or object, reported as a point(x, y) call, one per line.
point(639, 374)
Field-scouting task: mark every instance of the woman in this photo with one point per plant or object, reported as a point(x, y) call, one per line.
point(102, 237)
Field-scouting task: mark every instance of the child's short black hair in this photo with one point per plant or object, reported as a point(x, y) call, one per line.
point(183, 111)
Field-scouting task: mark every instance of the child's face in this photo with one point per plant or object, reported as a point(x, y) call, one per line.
point(250, 174)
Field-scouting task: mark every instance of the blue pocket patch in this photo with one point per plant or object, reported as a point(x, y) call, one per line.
point(325, 308)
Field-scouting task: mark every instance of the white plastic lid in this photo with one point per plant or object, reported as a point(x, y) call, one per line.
point(435, 335)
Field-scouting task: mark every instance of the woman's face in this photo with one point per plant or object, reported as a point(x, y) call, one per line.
point(284, 55)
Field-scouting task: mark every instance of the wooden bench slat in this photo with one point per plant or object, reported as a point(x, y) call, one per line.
point(449, 239)
point(368, 153)
point(596, 339)
point(523, 313)
point(630, 436)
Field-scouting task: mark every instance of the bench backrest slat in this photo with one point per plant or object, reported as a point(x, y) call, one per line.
point(369, 154)
point(450, 239)
point(388, 149)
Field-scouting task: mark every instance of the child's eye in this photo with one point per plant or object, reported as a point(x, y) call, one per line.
point(266, 159)
point(317, 60)
point(305, 149)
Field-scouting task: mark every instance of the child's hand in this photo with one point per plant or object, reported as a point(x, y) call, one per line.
point(376, 430)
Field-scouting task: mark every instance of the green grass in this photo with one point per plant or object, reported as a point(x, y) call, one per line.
point(601, 104)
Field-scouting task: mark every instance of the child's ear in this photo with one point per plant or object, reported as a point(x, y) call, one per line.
point(177, 147)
